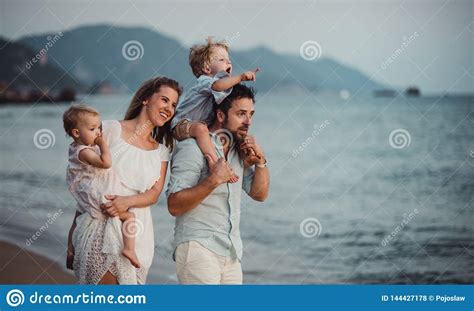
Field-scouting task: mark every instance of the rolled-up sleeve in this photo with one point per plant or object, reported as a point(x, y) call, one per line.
point(187, 163)
point(249, 173)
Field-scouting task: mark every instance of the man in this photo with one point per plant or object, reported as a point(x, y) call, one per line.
point(208, 247)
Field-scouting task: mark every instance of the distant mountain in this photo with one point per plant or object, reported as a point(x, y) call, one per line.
point(19, 72)
point(94, 54)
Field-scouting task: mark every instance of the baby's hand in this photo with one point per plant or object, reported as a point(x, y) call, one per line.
point(249, 75)
point(99, 141)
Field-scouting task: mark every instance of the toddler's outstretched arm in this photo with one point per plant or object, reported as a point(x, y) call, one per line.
point(228, 82)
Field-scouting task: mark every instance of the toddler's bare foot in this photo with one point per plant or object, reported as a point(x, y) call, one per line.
point(233, 179)
point(132, 257)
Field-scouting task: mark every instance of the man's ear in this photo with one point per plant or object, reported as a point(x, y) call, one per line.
point(220, 116)
point(75, 133)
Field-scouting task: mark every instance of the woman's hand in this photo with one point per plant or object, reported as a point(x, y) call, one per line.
point(117, 205)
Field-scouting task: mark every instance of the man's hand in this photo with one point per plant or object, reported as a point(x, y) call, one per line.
point(220, 170)
point(249, 75)
point(254, 154)
point(117, 205)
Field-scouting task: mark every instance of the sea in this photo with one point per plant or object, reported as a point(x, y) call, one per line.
point(363, 190)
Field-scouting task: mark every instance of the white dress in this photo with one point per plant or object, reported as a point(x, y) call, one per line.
point(98, 240)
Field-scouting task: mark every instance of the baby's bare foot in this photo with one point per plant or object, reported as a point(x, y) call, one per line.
point(132, 257)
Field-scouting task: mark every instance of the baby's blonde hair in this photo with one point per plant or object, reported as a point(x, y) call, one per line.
point(200, 55)
point(73, 115)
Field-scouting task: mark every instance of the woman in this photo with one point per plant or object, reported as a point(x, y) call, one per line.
point(140, 146)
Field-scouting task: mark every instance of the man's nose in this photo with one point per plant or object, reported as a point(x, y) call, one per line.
point(248, 120)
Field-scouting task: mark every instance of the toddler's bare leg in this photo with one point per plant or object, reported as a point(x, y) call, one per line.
point(128, 232)
point(201, 133)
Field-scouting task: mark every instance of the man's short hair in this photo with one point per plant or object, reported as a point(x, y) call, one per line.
point(238, 91)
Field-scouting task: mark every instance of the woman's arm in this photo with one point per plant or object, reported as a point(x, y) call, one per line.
point(119, 204)
point(70, 247)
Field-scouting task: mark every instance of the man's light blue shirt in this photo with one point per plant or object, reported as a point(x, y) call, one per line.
point(215, 222)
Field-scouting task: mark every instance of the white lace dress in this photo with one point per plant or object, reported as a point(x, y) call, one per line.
point(98, 240)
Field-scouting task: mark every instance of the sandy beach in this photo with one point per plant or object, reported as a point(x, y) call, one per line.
point(19, 266)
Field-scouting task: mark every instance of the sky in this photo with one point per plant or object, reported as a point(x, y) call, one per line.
point(427, 43)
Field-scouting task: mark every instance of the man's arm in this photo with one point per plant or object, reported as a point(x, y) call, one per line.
point(260, 184)
point(185, 200)
point(261, 177)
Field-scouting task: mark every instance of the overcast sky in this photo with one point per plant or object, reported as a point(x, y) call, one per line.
point(436, 38)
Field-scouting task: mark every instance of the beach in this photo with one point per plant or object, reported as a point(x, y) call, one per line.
point(347, 204)
point(20, 266)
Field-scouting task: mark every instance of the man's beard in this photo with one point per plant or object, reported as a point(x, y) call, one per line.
point(235, 134)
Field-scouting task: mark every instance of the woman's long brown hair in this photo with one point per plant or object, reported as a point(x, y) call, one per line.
point(161, 134)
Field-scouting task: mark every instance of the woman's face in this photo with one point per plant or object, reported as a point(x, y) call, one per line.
point(161, 106)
